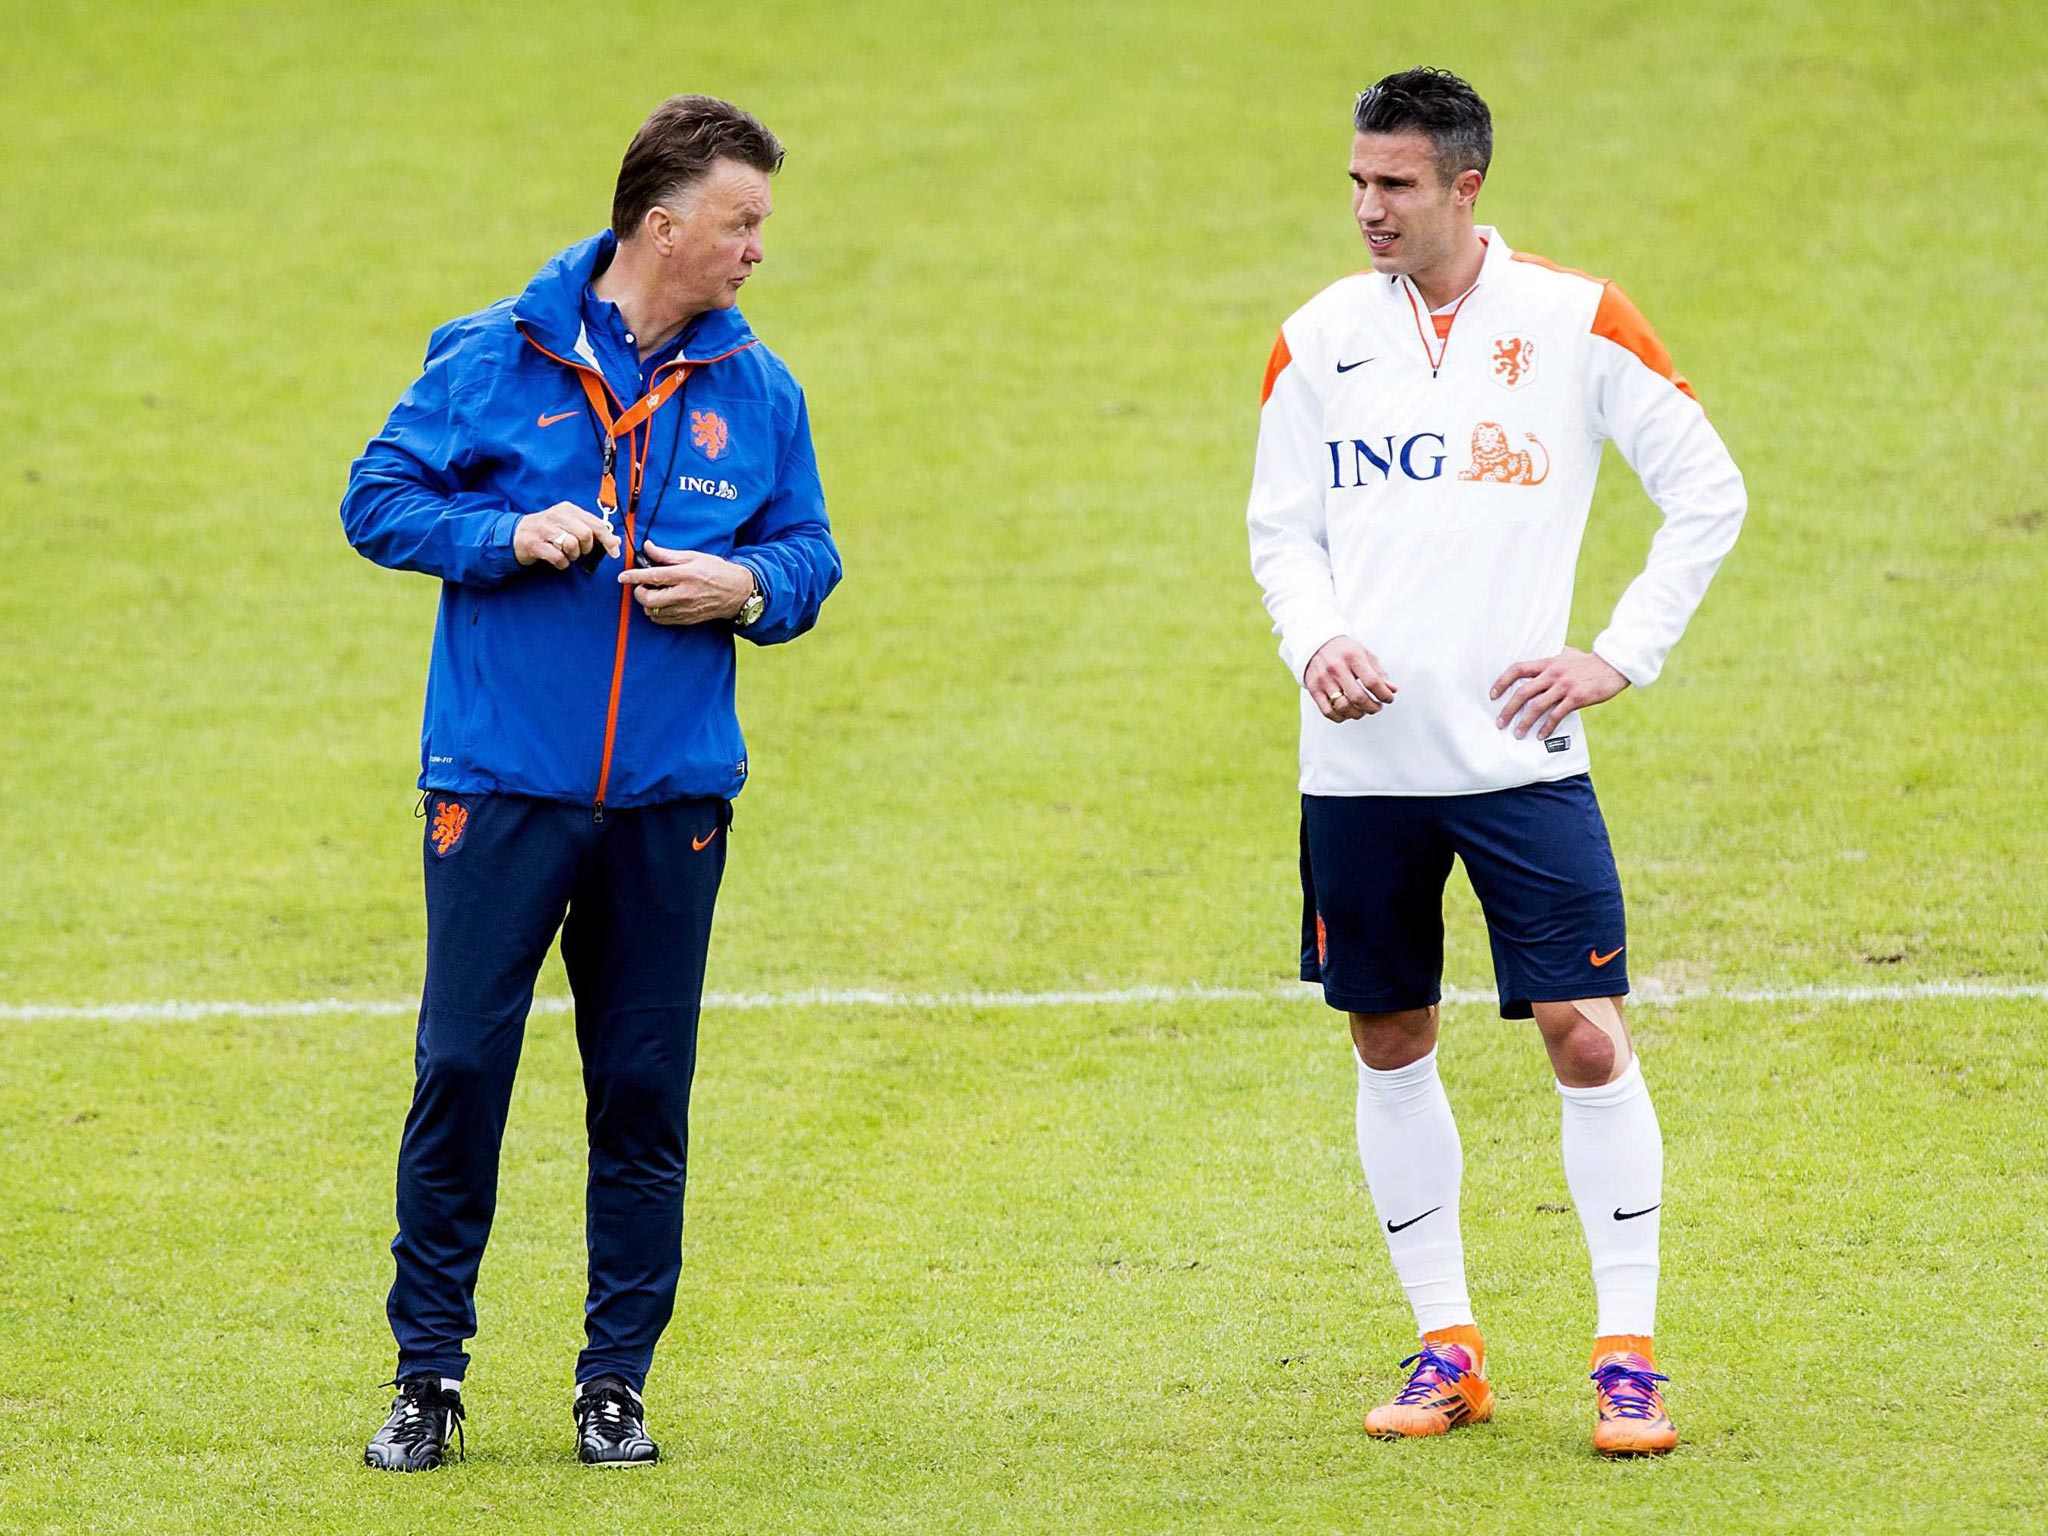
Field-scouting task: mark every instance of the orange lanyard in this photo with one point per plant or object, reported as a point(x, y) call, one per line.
point(626, 426)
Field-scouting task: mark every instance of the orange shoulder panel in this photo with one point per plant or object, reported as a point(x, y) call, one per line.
point(1623, 324)
point(1620, 322)
point(1275, 365)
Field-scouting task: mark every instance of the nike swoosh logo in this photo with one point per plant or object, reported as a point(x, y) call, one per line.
point(1621, 1215)
point(549, 421)
point(1599, 959)
point(1347, 367)
point(699, 844)
point(1404, 1226)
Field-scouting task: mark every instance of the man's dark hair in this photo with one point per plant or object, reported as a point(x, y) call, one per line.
point(677, 145)
point(1437, 103)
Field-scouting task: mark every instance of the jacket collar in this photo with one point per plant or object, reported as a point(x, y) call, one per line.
point(1491, 265)
point(1497, 254)
point(550, 311)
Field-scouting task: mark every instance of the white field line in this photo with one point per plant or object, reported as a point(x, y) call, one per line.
point(1650, 994)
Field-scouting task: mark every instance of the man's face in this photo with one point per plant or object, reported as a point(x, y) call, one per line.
point(1410, 219)
point(710, 245)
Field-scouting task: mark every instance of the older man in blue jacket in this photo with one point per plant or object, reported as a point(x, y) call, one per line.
point(612, 479)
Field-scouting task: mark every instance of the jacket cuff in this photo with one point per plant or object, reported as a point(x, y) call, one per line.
point(498, 559)
point(1637, 669)
point(1298, 647)
point(767, 591)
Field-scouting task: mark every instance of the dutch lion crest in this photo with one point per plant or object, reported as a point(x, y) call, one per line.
point(708, 431)
point(451, 820)
point(1514, 360)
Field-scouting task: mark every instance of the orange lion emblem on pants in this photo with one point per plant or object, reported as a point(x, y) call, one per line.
point(1496, 463)
point(708, 431)
point(451, 820)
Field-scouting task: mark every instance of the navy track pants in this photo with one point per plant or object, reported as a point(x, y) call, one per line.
point(632, 896)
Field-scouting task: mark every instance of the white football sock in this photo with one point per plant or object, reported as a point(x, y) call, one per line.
point(1614, 1164)
point(1408, 1146)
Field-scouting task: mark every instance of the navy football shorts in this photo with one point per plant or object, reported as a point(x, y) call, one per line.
point(1373, 869)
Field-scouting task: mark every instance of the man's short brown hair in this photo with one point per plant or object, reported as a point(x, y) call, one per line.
point(677, 146)
point(1437, 104)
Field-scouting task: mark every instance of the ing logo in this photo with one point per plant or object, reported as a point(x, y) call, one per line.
point(1514, 360)
point(1494, 462)
point(451, 820)
point(710, 433)
point(1387, 457)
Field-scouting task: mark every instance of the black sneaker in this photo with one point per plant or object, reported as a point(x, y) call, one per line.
point(611, 1426)
point(415, 1437)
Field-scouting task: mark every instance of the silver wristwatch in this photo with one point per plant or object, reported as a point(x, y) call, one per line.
point(754, 606)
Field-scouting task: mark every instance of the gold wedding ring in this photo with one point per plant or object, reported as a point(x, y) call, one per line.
point(1336, 698)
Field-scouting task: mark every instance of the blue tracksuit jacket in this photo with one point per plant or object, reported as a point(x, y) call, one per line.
point(554, 683)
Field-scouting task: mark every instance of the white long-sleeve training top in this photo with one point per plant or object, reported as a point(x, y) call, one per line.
point(1426, 494)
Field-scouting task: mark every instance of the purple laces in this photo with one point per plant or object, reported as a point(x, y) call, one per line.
point(1631, 1389)
point(1436, 1370)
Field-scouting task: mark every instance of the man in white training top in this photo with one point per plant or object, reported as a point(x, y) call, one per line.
point(1428, 443)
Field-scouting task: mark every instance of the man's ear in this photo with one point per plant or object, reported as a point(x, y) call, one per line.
point(1468, 184)
point(660, 227)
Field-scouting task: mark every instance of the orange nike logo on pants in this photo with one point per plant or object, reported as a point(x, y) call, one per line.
point(699, 844)
point(1599, 959)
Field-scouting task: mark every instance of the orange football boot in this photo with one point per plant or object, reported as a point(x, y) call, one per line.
point(1446, 1389)
point(1632, 1420)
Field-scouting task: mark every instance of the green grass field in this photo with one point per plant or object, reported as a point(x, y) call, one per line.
point(1045, 1268)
